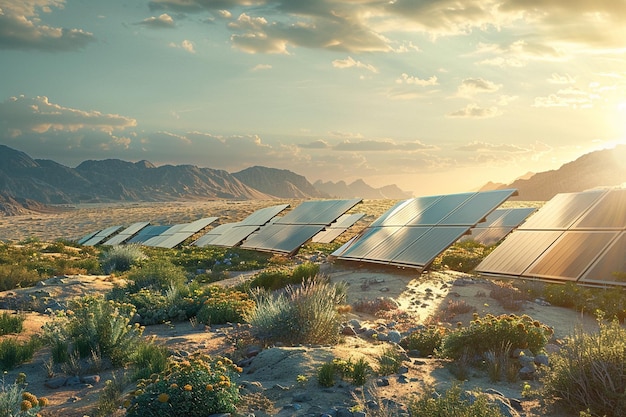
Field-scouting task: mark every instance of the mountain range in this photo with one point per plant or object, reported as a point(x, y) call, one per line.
point(31, 184)
point(34, 184)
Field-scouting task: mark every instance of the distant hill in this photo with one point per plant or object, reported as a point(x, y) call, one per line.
point(360, 189)
point(278, 182)
point(604, 168)
point(26, 182)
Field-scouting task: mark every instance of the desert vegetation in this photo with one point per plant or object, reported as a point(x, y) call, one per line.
point(289, 302)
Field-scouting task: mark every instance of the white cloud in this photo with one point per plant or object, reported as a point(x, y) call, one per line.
point(185, 45)
point(351, 62)
point(163, 21)
point(261, 67)
point(556, 78)
point(407, 79)
point(473, 111)
point(472, 86)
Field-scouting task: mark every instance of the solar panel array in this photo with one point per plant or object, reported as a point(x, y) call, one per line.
point(232, 234)
point(415, 231)
point(336, 228)
point(177, 234)
point(288, 233)
point(126, 234)
point(498, 225)
point(100, 236)
point(573, 237)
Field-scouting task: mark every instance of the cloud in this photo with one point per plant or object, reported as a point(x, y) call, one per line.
point(19, 115)
point(21, 27)
point(518, 53)
point(350, 62)
point(407, 79)
point(194, 6)
point(471, 86)
point(185, 45)
point(473, 111)
point(164, 21)
point(317, 144)
point(478, 146)
point(261, 67)
point(386, 145)
point(573, 98)
point(561, 79)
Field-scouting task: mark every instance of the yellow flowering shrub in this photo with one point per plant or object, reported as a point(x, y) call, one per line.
point(196, 387)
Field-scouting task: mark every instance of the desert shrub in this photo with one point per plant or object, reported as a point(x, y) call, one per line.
point(196, 387)
point(301, 314)
point(326, 375)
point(277, 278)
point(95, 324)
point(454, 402)
point(15, 402)
point(509, 297)
point(589, 372)
point(374, 306)
point(483, 334)
point(501, 365)
point(462, 256)
point(389, 361)
point(222, 305)
point(111, 397)
point(14, 352)
point(356, 371)
point(11, 323)
point(157, 306)
point(568, 295)
point(14, 276)
point(121, 258)
point(426, 340)
point(156, 274)
point(149, 359)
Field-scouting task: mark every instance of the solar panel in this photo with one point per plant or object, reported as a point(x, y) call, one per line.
point(562, 210)
point(573, 237)
point(333, 231)
point(281, 238)
point(414, 232)
point(126, 234)
point(88, 236)
point(321, 212)
point(497, 225)
point(264, 215)
point(177, 234)
point(147, 233)
point(570, 255)
point(518, 251)
point(101, 236)
point(213, 234)
point(610, 267)
point(235, 236)
point(487, 235)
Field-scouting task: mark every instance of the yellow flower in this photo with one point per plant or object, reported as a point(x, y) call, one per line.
point(188, 387)
point(238, 369)
point(163, 397)
point(225, 384)
point(209, 387)
point(26, 405)
point(174, 385)
point(43, 402)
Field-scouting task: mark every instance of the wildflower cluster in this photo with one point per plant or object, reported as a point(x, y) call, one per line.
point(195, 387)
point(223, 305)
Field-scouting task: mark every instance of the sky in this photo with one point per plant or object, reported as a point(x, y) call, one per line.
point(435, 96)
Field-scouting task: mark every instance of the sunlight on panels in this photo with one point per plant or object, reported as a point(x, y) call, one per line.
point(126, 234)
point(573, 237)
point(101, 236)
point(336, 228)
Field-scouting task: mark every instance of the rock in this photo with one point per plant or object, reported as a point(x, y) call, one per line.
point(73, 380)
point(354, 323)
point(542, 359)
point(382, 382)
point(253, 350)
point(527, 372)
point(302, 397)
point(55, 383)
point(348, 331)
point(90, 379)
point(394, 336)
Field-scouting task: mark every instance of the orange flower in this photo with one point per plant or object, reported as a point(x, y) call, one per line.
point(163, 397)
point(188, 387)
point(209, 387)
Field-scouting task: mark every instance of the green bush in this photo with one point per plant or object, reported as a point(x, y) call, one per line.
point(15, 402)
point(223, 305)
point(493, 332)
point(11, 323)
point(156, 306)
point(326, 375)
point(425, 340)
point(302, 314)
point(453, 402)
point(15, 276)
point(149, 359)
point(389, 361)
point(196, 387)
point(93, 324)
point(156, 274)
point(13, 352)
point(589, 372)
point(277, 278)
point(121, 258)
point(462, 256)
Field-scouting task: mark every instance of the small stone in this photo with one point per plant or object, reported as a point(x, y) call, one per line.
point(73, 380)
point(302, 397)
point(348, 331)
point(55, 383)
point(394, 336)
point(382, 382)
point(91, 379)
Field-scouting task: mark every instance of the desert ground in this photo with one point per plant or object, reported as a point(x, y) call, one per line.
point(274, 374)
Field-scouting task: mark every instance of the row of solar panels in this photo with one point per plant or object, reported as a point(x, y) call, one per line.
point(321, 221)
